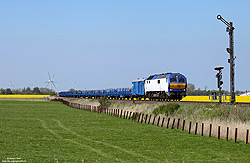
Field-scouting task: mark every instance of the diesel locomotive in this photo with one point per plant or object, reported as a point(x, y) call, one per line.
point(170, 86)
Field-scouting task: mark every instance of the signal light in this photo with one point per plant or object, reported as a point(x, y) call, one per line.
point(228, 50)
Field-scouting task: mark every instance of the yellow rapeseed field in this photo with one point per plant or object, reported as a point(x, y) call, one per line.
point(23, 96)
point(239, 99)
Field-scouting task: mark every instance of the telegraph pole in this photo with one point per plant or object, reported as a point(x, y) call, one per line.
point(230, 50)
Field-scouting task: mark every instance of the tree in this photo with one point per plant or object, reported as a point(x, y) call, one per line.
point(190, 87)
point(36, 91)
point(8, 91)
point(2, 91)
point(45, 91)
point(28, 91)
point(72, 89)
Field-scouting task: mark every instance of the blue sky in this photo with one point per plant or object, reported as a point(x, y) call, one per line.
point(108, 43)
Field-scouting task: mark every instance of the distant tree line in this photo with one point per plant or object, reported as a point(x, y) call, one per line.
point(27, 91)
point(191, 91)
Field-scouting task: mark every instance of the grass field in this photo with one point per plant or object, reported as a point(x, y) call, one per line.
point(41, 131)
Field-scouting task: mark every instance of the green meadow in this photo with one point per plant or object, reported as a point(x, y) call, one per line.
point(42, 131)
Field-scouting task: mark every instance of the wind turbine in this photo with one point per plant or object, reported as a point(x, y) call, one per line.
point(11, 85)
point(33, 84)
point(76, 85)
point(51, 82)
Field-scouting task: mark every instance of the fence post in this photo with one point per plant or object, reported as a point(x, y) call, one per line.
point(146, 118)
point(124, 114)
point(158, 121)
point(173, 123)
point(210, 130)
point(139, 117)
point(121, 114)
point(227, 133)
point(135, 117)
point(196, 127)
point(149, 119)
point(183, 125)
point(154, 120)
point(202, 129)
point(132, 117)
point(168, 122)
point(190, 123)
point(162, 122)
point(142, 118)
point(178, 123)
point(218, 132)
point(235, 139)
point(129, 115)
point(247, 136)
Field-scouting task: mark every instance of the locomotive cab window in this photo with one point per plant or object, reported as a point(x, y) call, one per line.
point(159, 81)
point(173, 80)
point(181, 80)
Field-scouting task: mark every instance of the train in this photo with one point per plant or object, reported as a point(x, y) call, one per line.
point(168, 86)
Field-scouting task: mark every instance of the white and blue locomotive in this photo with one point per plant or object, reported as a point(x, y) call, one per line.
point(160, 86)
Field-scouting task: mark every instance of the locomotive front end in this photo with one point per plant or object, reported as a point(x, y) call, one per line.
point(177, 86)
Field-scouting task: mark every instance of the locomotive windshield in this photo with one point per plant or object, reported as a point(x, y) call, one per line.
point(173, 80)
point(181, 80)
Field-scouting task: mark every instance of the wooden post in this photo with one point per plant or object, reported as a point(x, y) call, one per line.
point(227, 133)
point(210, 130)
point(235, 138)
point(247, 136)
point(130, 115)
point(127, 115)
point(218, 132)
point(121, 114)
point(183, 125)
point(158, 121)
point(146, 118)
point(118, 112)
point(135, 116)
point(178, 123)
point(168, 122)
point(190, 123)
point(162, 121)
point(139, 117)
point(173, 123)
point(202, 128)
point(196, 127)
point(154, 120)
point(142, 118)
point(149, 119)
